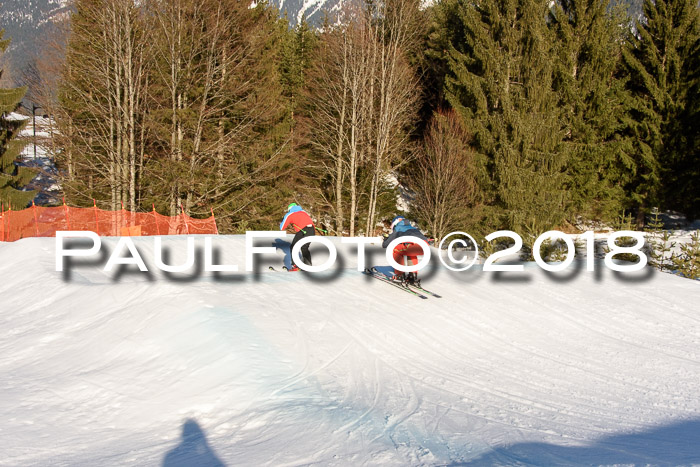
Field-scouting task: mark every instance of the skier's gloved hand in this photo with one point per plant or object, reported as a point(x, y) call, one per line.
point(385, 236)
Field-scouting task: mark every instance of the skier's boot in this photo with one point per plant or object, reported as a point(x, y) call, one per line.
point(411, 278)
point(415, 280)
point(398, 277)
point(294, 268)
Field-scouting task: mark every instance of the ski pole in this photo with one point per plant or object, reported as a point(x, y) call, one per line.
point(315, 228)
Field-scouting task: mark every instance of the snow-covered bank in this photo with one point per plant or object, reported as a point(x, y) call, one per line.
point(288, 369)
point(37, 154)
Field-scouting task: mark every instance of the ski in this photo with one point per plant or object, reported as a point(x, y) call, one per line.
point(410, 286)
point(284, 268)
point(432, 294)
point(383, 278)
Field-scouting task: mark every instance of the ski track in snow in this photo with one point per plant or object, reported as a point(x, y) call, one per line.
point(286, 369)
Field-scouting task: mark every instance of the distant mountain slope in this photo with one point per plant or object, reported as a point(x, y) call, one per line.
point(26, 22)
point(313, 10)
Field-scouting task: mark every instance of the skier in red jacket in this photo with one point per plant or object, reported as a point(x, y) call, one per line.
point(302, 224)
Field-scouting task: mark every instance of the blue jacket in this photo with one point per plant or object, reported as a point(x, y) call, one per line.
point(402, 229)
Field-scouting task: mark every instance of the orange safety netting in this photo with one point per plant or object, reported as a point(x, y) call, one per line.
point(38, 221)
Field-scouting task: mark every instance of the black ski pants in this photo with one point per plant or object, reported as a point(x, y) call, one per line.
point(305, 253)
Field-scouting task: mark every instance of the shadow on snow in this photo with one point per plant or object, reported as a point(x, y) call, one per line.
point(674, 444)
point(193, 449)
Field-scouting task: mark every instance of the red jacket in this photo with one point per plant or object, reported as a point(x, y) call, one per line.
point(296, 218)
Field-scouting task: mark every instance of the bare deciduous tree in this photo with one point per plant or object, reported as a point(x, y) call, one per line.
point(444, 177)
point(171, 102)
point(330, 116)
point(396, 32)
point(103, 92)
point(365, 99)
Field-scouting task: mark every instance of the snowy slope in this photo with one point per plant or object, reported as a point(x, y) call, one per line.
point(280, 368)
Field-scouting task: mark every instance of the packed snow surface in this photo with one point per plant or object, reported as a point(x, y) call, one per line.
point(275, 368)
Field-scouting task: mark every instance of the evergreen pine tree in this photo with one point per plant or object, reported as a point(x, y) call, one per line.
point(12, 177)
point(275, 167)
point(659, 242)
point(297, 51)
point(682, 184)
point(658, 58)
point(687, 263)
point(588, 47)
point(299, 46)
point(500, 77)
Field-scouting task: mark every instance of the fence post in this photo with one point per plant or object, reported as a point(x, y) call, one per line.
point(9, 226)
point(187, 227)
point(36, 220)
point(156, 219)
point(65, 209)
point(216, 229)
point(97, 224)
